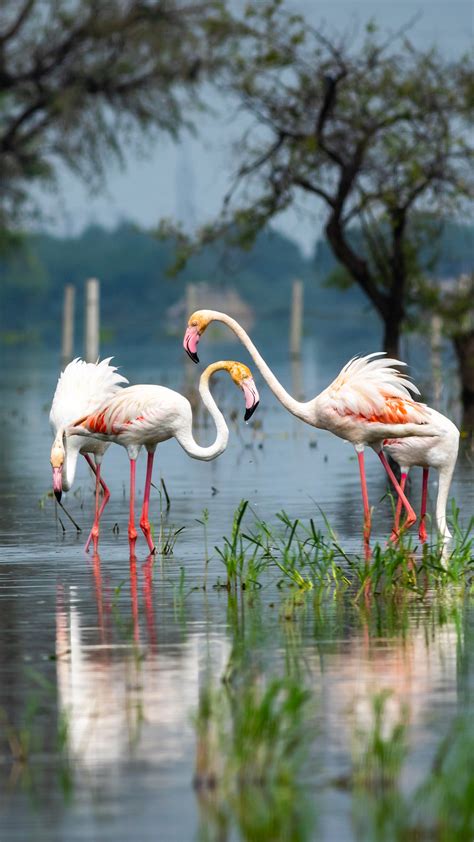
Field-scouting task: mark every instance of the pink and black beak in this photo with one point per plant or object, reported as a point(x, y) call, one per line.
point(58, 483)
point(252, 398)
point(190, 343)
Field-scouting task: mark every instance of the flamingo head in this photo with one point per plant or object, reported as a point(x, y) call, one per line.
point(196, 326)
point(57, 462)
point(242, 377)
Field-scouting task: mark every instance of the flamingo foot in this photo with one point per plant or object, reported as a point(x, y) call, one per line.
point(132, 539)
point(146, 529)
point(410, 520)
point(94, 538)
point(422, 533)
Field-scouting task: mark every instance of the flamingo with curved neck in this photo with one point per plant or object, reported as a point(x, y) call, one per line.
point(145, 415)
point(367, 402)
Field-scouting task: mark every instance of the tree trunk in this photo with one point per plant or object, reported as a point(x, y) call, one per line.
point(464, 346)
point(391, 336)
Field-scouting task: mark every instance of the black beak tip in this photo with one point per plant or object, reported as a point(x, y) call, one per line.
point(250, 411)
point(192, 356)
point(58, 495)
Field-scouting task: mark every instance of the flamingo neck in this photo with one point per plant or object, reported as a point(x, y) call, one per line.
point(288, 401)
point(185, 437)
point(444, 484)
point(71, 452)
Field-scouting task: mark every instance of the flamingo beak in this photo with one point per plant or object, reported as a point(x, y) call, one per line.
point(190, 343)
point(252, 398)
point(58, 483)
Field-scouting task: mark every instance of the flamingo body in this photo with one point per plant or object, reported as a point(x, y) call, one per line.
point(367, 394)
point(439, 452)
point(143, 415)
point(81, 389)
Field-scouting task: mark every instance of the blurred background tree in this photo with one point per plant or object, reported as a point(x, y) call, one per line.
point(81, 79)
point(376, 131)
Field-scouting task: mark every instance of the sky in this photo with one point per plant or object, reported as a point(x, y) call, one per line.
point(188, 180)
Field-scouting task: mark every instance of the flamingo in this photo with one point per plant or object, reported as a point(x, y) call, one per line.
point(366, 400)
point(145, 415)
point(438, 452)
point(81, 388)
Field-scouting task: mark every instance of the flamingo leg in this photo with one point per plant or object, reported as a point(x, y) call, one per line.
point(94, 534)
point(424, 499)
point(144, 522)
point(398, 510)
point(411, 516)
point(365, 496)
point(132, 532)
point(103, 504)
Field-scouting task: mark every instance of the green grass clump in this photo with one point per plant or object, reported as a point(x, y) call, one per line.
point(310, 560)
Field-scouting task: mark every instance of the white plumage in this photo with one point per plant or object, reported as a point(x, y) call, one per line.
point(439, 452)
point(81, 389)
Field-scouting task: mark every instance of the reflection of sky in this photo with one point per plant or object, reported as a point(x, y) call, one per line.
point(159, 186)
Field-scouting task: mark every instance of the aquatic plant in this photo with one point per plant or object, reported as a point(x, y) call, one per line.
point(313, 561)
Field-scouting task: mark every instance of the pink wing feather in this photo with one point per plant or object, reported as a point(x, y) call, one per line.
point(370, 389)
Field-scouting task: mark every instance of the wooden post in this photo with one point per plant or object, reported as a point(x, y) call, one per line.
point(91, 321)
point(191, 300)
point(67, 340)
point(296, 324)
point(436, 362)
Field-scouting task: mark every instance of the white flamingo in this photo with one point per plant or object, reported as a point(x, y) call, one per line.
point(144, 416)
point(366, 403)
point(82, 388)
point(438, 452)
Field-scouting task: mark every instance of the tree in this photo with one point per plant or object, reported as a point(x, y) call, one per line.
point(80, 78)
point(374, 130)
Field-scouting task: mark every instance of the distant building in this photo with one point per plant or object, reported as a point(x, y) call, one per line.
point(203, 295)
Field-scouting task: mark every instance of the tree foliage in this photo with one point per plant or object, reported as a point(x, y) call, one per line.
point(81, 79)
point(376, 131)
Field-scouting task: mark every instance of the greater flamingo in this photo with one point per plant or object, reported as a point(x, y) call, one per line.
point(81, 389)
point(438, 452)
point(144, 416)
point(366, 403)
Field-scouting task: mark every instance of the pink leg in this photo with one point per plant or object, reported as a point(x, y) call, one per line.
point(103, 504)
point(411, 516)
point(424, 499)
point(132, 532)
point(365, 497)
point(95, 525)
point(398, 510)
point(144, 522)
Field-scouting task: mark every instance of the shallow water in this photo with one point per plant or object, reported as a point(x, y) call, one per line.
point(104, 666)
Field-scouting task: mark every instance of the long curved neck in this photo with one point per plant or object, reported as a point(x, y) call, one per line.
point(295, 407)
point(71, 452)
point(444, 484)
point(186, 438)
